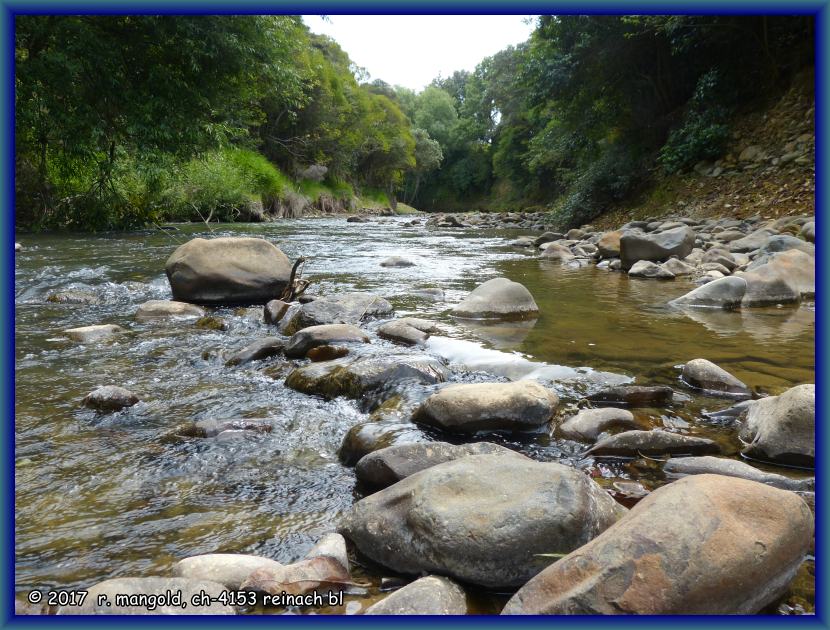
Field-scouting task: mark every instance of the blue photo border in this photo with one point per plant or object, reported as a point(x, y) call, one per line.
point(820, 9)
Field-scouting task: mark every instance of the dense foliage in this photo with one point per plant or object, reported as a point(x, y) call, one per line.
point(129, 120)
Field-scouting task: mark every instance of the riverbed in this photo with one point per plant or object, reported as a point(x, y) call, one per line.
point(101, 496)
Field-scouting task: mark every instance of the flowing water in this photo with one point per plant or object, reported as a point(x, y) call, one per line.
point(100, 496)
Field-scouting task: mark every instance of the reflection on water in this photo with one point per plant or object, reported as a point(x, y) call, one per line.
point(123, 494)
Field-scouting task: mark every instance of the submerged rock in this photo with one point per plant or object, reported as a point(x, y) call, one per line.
point(367, 437)
point(109, 590)
point(227, 270)
point(356, 377)
point(307, 338)
point(160, 309)
point(782, 428)
point(483, 519)
point(656, 442)
point(657, 247)
point(681, 466)
point(345, 308)
point(431, 595)
point(524, 405)
point(212, 428)
point(705, 375)
point(397, 261)
point(109, 398)
point(589, 423)
point(498, 298)
point(706, 544)
point(228, 569)
point(97, 332)
point(73, 297)
point(725, 293)
point(326, 353)
point(634, 396)
point(258, 350)
point(386, 466)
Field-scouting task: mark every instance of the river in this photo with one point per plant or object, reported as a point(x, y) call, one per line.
point(100, 496)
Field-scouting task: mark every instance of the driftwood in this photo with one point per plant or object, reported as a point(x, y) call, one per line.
point(296, 286)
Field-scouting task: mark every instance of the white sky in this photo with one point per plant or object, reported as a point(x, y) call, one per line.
point(411, 50)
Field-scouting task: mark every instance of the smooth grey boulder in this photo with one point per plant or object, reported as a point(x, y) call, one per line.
point(589, 423)
point(482, 519)
point(410, 331)
point(383, 467)
point(634, 395)
point(682, 466)
point(711, 378)
point(256, 351)
point(768, 285)
point(656, 442)
point(344, 308)
point(524, 405)
point(307, 338)
point(557, 252)
point(705, 544)
point(162, 309)
point(786, 242)
point(227, 270)
point(356, 377)
point(750, 242)
point(782, 428)
point(274, 310)
point(397, 261)
point(648, 269)
point(797, 269)
point(677, 267)
point(656, 247)
point(431, 595)
point(498, 298)
point(109, 398)
point(724, 293)
point(96, 332)
point(228, 569)
point(149, 586)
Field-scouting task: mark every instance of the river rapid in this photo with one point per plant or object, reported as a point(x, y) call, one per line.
point(101, 496)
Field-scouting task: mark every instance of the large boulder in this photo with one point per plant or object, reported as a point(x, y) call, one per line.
point(706, 544)
point(498, 298)
point(431, 595)
point(523, 405)
point(656, 442)
point(769, 285)
point(711, 378)
point(782, 428)
point(706, 464)
point(786, 242)
point(307, 338)
point(589, 423)
point(483, 519)
point(227, 270)
point(96, 332)
point(389, 465)
point(358, 377)
point(795, 267)
point(343, 308)
point(724, 293)
point(103, 598)
point(657, 247)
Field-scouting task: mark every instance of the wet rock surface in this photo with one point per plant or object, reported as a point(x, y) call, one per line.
point(782, 428)
point(656, 442)
point(480, 519)
point(109, 398)
point(498, 298)
point(706, 544)
point(431, 595)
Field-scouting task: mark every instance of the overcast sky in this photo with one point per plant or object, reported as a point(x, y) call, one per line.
point(411, 50)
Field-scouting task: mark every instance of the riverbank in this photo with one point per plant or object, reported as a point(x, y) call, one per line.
point(152, 492)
